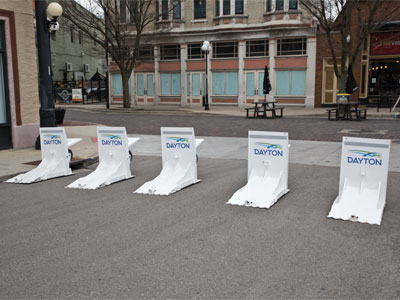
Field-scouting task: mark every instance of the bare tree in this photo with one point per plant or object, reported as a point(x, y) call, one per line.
point(117, 26)
point(346, 25)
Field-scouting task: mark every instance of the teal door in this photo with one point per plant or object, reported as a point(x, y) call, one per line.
point(5, 124)
point(145, 88)
point(254, 85)
point(195, 86)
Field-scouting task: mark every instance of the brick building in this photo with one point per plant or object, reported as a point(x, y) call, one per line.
point(245, 36)
point(377, 71)
point(19, 100)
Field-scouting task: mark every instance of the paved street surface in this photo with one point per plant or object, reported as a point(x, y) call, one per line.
point(110, 243)
point(299, 128)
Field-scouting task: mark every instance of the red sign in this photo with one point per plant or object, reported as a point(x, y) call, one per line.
point(385, 43)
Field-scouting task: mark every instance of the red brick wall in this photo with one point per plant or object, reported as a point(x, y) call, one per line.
point(170, 66)
point(146, 67)
point(291, 62)
point(195, 65)
point(225, 64)
point(256, 63)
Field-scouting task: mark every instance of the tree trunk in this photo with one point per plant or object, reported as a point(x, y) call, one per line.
point(125, 91)
point(342, 83)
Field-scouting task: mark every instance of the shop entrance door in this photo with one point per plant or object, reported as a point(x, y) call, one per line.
point(196, 87)
point(254, 85)
point(5, 124)
point(145, 88)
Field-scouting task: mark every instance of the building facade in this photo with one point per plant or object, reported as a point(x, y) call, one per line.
point(377, 71)
point(74, 56)
point(245, 36)
point(19, 99)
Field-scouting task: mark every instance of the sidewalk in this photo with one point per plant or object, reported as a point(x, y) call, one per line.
point(14, 161)
point(321, 153)
point(289, 111)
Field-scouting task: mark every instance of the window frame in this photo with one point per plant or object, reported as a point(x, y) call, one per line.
point(144, 48)
point(176, 13)
point(290, 82)
point(164, 47)
point(297, 4)
point(303, 50)
point(225, 83)
point(222, 9)
point(281, 2)
point(190, 47)
point(236, 7)
point(122, 11)
point(72, 34)
point(216, 54)
point(170, 84)
point(195, 9)
point(268, 6)
point(266, 47)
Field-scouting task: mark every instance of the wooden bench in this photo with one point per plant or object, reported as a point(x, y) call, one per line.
point(263, 114)
point(333, 109)
point(250, 109)
point(277, 109)
point(362, 112)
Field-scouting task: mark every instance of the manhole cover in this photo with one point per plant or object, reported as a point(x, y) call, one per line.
point(362, 131)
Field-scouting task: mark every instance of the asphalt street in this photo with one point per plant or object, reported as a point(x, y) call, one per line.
point(299, 128)
point(111, 243)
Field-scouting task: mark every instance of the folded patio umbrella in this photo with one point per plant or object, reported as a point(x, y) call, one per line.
point(266, 83)
point(351, 83)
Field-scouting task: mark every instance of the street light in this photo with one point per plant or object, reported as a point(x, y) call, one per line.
point(46, 21)
point(206, 48)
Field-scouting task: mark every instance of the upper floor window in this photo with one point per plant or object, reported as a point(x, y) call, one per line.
point(228, 7)
point(296, 46)
point(225, 49)
point(176, 10)
point(71, 32)
point(145, 53)
point(199, 9)
point(195, 52)
point(164, 9)
point(279, 4)
point(239, 7)
point(80, 37)
point(257, 48)
point(293, 4)
point(122, 10)
point(269, 5)
point(170, 52)
point(169, 8)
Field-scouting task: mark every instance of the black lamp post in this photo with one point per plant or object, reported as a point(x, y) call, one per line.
point(46, 21)
point(206, 48)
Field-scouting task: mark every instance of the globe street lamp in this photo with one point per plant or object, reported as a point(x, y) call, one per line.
point(206, 48)
point(46, 21)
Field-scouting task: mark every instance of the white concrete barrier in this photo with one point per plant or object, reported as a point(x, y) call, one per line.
point(55, 157)
point(363, 180)
point(267, 178)
point(179, 166)
point(114, 159)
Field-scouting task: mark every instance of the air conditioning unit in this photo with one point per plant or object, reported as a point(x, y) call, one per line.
point(86, 68)
point(68, 67)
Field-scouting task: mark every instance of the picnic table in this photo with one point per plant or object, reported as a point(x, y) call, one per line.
point(346, 110)
point(261, 109)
